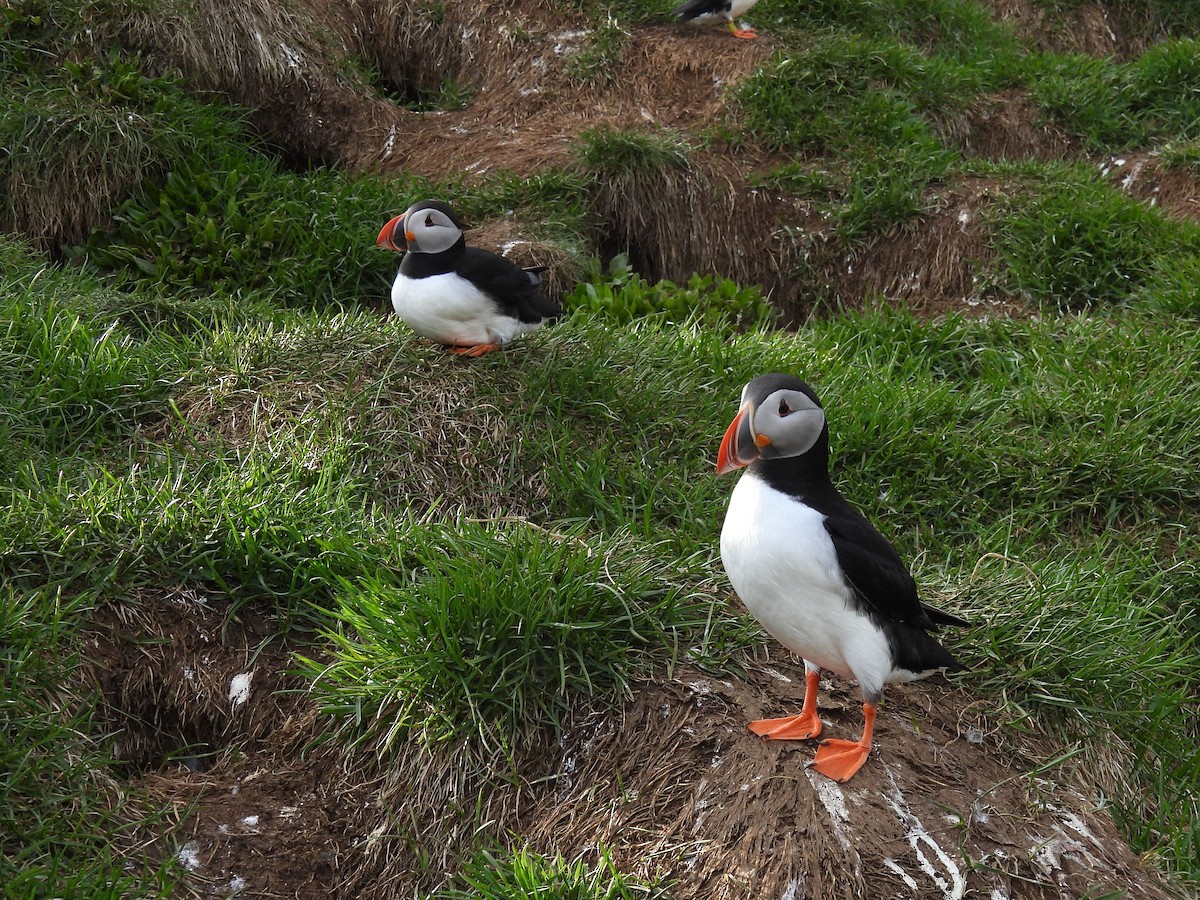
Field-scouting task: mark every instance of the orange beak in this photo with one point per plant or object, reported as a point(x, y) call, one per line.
point(738, 446)
point(391, 237)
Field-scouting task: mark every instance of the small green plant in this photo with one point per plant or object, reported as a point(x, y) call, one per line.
point(619, 295)
point(249, 227)
point(449, 95)
point(524, 875)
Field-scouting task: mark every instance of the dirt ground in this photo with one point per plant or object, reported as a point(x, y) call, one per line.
point(212, 721)
point(216, 728)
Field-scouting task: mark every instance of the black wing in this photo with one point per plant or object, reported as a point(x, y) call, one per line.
point(693, 8)
point(874, 570)
point(514, 288)
point(883, 586)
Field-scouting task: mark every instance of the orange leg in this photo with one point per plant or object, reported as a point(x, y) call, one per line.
point(802, 727)
point(838, 759)
point(473, 351)
point(746, 34)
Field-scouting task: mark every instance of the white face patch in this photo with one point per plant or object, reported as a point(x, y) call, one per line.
point(789, 421)
point(431, 230)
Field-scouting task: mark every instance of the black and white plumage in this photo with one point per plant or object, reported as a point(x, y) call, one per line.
point(470, 299)
point(818, 576)
point(707, 11)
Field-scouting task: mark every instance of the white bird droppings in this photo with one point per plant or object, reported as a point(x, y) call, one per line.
point(239, 688)
point(834, 801)
point(189, 856)
point(954, 885)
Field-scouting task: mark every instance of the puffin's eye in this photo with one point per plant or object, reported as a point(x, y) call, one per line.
point(784, 409)
point(429, 221)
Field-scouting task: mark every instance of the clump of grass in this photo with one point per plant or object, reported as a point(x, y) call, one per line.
point(245, 228)
point(1181, 155)
point(598, 62)
point(1146, 18)
point(607, 152)
point(631, 12)
point(845, 91)
point(1114, 105)
point(249, 530)
point(79, 140)
point(494, 633)
point(1085, 633)
point(1074, 241)
point(1174, 286)
point(959, 27)
point(869, 104)
point(524, 875)
point(72, 380)
point(867, 195)
point(248, 227)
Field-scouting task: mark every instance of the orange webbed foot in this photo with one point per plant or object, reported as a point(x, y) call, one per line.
point(801, 727)
point(474, 351)
point(804, 726)
point(840, 759)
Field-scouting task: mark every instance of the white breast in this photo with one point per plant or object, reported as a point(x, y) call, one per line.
point(783, 565)
point(451, 310)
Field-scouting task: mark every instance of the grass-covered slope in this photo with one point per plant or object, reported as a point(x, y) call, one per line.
point(217, 404)
point(323, 469)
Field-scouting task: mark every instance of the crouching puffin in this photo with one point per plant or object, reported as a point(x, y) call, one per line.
point(814, 572)
point(470, 299)
point(706, 11)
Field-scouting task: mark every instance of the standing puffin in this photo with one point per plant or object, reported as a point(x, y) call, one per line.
point(705, 11)
point(471, 300)
point(815, 573)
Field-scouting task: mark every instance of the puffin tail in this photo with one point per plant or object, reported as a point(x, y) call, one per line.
point(916, 650)
point(939, 618)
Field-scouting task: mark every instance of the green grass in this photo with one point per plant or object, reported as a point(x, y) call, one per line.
point(1062, 445)
point(527, 876)
point(1072, 240)
point(598, 62)
point(548, 619)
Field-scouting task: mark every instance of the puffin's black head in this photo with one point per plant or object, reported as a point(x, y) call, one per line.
point(780, 417)
point(428, 226)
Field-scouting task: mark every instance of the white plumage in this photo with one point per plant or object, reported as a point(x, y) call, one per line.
point(780, 560)
point(450, 309)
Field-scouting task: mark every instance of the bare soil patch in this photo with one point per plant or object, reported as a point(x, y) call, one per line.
point(1176, 191)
